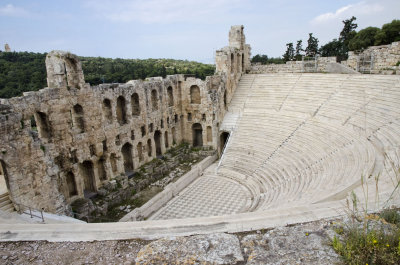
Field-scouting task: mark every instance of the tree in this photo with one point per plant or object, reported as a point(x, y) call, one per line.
point(348, 31)
point(332, 48)
point(289, 54)
point(299, 50)
point(312, 46)
point(260, 58)
point(363, 39)
point(390, 32)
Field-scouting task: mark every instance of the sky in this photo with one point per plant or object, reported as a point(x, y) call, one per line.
point(178, 29)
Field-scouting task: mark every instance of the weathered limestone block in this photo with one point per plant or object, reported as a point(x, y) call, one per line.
point(201, 249)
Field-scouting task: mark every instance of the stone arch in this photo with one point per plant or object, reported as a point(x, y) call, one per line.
point(149, 148)
point(43, 124)
point(4, 177)
point(135, 104)
point(126, 151)
point(197, 135)
point(209, 134)
point(154, 100)
point(121, 110)
point(170, 96)
point(232, 63)
point(140, 151)
point(223, 139)
point(173, 135)
point(87, 173)
point(101, 168)
point(78, 116)
point(166, 142)
point(157, 141)
point(195, 97)
point(71, 184)
point(107, 110)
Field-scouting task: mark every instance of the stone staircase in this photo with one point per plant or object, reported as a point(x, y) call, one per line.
point(5, 203)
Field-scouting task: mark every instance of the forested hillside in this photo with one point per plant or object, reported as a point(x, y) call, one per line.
point(26, 71)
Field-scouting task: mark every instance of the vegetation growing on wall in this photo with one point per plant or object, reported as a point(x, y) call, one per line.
point(26, 71)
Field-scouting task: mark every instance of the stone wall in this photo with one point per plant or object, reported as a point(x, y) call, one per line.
point(320, 65)
point(375, 58)
point(67, 140)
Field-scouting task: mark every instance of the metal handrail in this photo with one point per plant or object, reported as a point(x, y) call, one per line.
point(23, 208)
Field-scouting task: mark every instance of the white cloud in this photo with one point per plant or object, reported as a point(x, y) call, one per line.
point(361, 8)
point(13, 11)
point(161, 11)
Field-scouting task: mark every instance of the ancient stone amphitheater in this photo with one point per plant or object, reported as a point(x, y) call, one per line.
point(293, 147)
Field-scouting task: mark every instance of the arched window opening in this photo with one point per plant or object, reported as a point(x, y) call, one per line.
point(107, 110)
point(79, 122)
point(170, 96)
point(195, 97)
point(238, 62)
point(135, 104)
point(197, 134)
point(157, 141)
point(128, 159)
point(72, 191)
point(43, 123)
point(154, 100)
point(87, 173)
point(121, 110)
point(225, 105)
point(242, 62)
point(209, 134)
point(232, 63)
point(140, 151)
point(223, 140)
point(166, 139)
point(173, 136)
point(101, 168)
point(149, 148)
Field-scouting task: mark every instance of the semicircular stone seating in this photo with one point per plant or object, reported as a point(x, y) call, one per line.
point(301, 139)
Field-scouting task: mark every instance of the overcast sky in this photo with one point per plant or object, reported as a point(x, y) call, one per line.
point(178, 29)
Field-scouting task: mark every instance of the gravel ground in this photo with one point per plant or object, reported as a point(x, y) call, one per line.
point(42, 252)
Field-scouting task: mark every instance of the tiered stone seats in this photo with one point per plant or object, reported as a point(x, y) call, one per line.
point(305, 138)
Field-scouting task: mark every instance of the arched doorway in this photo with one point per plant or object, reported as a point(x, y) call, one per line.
point(127, 155)
point(157, 141)
point(223, 139)
point(4, 185)
point(71, 184)
point(86, 170)
point(197, 134)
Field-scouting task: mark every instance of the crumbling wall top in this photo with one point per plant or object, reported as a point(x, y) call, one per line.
point(64, 70)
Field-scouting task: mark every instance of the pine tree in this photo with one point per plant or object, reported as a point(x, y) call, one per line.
point(299, 50)
point(312, 46)
point(289, 54)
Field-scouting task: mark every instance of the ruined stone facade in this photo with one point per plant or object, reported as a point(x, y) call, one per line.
point(67, 140)
point(375, 59)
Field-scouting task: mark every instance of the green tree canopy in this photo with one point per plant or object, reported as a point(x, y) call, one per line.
point(363, 39)
point(332, 48)
point(390, 32)
point(312, 46)
point(289, 54)
point(299, 50)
